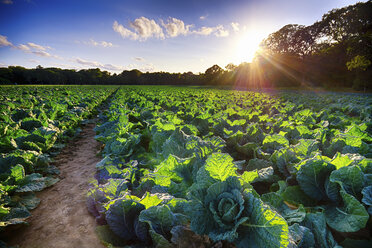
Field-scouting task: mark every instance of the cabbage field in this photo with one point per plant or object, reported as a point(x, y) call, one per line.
point(35, 122)
point(200, 167)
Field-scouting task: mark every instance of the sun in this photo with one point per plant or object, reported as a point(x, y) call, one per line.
point(246, 46)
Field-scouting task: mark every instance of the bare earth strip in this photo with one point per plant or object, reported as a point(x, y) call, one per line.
point(62, 219)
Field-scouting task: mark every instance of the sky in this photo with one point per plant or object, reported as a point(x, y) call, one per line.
point(149, 35)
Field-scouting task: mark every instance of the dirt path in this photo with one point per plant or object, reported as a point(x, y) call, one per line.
point(62, 219)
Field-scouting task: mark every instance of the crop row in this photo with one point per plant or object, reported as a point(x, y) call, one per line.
point(35, 121)
point(193, 167)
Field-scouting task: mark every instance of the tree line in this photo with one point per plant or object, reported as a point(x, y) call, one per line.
point(335, 51)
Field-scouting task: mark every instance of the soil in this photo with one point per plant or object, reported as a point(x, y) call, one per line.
point(62, 219)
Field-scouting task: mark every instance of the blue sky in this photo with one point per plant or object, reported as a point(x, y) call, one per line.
point(117, 35)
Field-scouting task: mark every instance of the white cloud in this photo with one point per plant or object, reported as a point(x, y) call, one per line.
point(203, 17)
point(147, 28)
point(7, 1)
point(92, 42)
point(42, 53)
point(4, 41)
point(37, 47)
point(23, 47)
point(111, 67)
point(235, 26)
point(221, 31)
point(96, 64)
point(175, 27)
point(218, 31)
point(204, 31)
point(106, 44)
point(143, 28)
point(140, 59)
point(29, 48)
point(124, 32)
point(88, 63)
point(148, 67)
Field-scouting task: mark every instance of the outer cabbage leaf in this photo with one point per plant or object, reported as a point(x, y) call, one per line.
point(218, 167)
point(351, 178)
point(122, 217)
point(312, 176)
point(265, 227)
point(35, 182)
point(350, 217)
point(295, 196)
point(290, 215)
point(301, 236)
point(317, 224)
point(367, 197)
point(161, 220)
point(274, 142)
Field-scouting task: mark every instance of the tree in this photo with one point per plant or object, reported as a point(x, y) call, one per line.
point(212, 74)
point(230, 67)
point(359, 64)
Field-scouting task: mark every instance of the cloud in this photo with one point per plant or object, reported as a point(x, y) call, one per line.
point(42, 54)
point(88, 63)
point(124, 32)
point(218, 31)
point(175, 27)
point(23, 47)
point(143, 28)
point(148, 67)
point(147, 28)
point(204, 31)
point(203, 17)
point(92, 42)
point(235, 26)
point(221, 31)
point(7, 1)
point(29, 48)
point(140, 59)
point(111, 67)
point(37, 47)
point(96, 64)
point(4, 41)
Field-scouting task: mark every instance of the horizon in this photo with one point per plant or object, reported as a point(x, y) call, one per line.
point(164, 36)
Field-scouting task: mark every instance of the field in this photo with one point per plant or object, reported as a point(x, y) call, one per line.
point(197, 167)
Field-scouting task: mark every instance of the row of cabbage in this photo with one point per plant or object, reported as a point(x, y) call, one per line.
point(189, 167)
point(35, 121)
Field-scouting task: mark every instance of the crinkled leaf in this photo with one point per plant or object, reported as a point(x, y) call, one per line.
point(149, 200)
point(121, 217)
point(350, 217)
point(367, 195)
point(341, 161)
point(295, 196)
point(265, 227)
point(317, 224)
point(161, 219)
point(218, 167)
point(350, 178)
point(301, 236)
point(312, 175)
point(290, 215)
